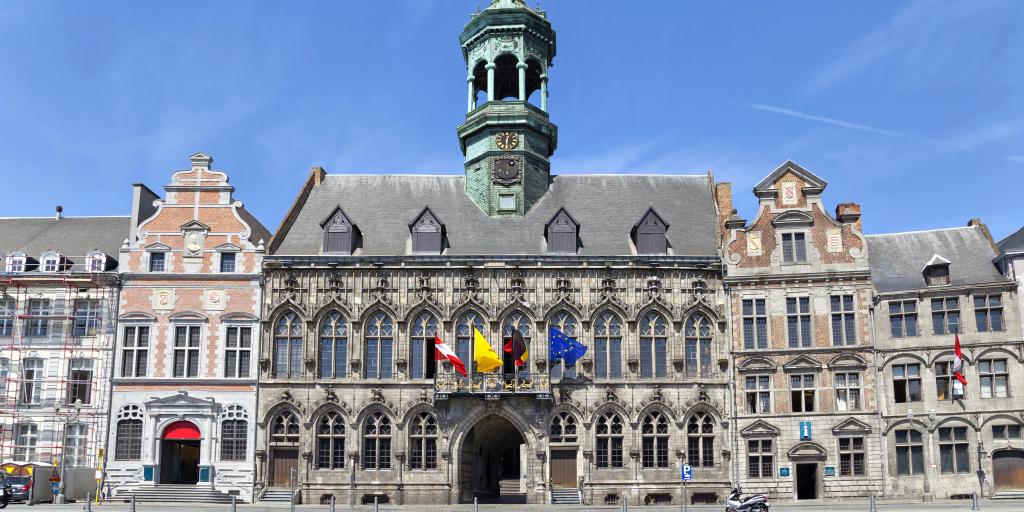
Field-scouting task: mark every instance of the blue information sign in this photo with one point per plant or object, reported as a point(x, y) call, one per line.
point(805, 431)
point(55, 488)
point(830, 471)
point(687, 472)
point(784, 471)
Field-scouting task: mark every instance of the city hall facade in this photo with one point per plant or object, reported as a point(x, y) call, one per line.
point(790, 354)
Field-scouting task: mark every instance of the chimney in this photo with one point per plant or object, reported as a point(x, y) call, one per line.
point(723, 199)
point(318, 175)
point(977, 223)
point(60, 213)
point(849, 212)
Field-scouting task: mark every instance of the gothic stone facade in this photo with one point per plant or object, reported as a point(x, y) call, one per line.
point(931, 286)
point(799, 292)
point(184, 396)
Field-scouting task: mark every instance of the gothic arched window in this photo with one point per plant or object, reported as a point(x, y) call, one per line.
point(698, 344)
point(516, 321)
point(700, 440)
point(565, 322)
point(608, 346)
point(234, 433)
point(288, 347)
point(423, 442)
point(421, 346)
point(653, 345)
point(330, 441)
point(563, 428)
point(609, 436)
point(379, 346)
point(333, 346)
point(284, 428)
point(377, 442)
point(654, 435)
point(464, 336)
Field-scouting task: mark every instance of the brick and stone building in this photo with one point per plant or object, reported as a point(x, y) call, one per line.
point(798, 293)
point(1010, 260)
point(58, 308)
point(942, 440)
point(366, 270)
point(184, 386)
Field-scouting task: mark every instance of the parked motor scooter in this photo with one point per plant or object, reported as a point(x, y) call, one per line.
point(755, 503)
point(5, 493)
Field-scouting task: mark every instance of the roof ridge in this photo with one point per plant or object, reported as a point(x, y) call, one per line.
point(919, 231)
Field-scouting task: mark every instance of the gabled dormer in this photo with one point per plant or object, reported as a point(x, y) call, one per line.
point(649, 234)
point(98, 261)
point(562, 233)
point(789, 185)
point(340, 234)
point(428, 233)
point(53, 261)
point(936, 271)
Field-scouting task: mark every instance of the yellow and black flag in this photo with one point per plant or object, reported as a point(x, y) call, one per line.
point(517, 347)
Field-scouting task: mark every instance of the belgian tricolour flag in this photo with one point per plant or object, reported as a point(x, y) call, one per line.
point(517, 347)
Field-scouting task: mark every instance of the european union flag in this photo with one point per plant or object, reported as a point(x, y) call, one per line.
point(565, 348)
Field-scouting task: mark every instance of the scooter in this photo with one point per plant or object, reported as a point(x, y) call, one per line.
point(755, 503)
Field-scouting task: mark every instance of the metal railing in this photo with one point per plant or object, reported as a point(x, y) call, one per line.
point(487, 383)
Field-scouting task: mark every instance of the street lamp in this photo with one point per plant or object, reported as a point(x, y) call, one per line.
point(71, 418)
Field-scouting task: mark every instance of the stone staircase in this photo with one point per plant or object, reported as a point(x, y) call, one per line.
point(176, 493)
point(277, 496)
point(565, 496)
point(1008, 495)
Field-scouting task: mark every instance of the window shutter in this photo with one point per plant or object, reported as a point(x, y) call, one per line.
point(562, 232)
point(338, 235)
point(427, 234)
point(650, 235)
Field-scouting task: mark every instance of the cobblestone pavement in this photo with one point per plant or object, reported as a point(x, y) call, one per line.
point(846, 506)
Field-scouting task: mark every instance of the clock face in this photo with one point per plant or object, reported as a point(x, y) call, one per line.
point(507, 170)
point(506, 141)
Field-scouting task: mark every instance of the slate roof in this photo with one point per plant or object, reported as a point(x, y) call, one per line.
point(1013, 244)
point(897, 259)
point(72, 237)
point(606, 207)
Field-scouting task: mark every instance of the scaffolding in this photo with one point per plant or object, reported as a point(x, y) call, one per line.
point(71, 294)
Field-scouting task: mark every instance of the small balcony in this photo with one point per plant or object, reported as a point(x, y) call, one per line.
point(492, 386)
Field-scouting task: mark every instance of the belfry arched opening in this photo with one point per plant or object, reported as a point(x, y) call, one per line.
point(492, 463)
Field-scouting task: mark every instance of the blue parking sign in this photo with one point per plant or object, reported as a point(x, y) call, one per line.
point(687, 472)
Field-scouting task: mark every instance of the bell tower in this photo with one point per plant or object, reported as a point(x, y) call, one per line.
point(507, 138)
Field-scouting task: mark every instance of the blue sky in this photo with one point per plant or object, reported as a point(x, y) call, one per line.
point(913, 109)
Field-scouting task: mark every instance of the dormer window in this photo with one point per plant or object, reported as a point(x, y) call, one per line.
point(16, 262)
point(50, 262)
point(157, 261)
point(562, 232)
point(227, 262)
point(339, 233)
point(96, 262)
point(649, 234)
point(427, 233)
point(936, 271)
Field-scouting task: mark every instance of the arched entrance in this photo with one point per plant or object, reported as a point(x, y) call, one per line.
point(1008, 470)
point(179, 453)
point(492, 462)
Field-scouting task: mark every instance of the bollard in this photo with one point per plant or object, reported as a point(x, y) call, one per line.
point(332, 503)
point(476, 506)
point(376, 505)
point(974, 501)
point(871, 507)
point(131, 506)
point(234, 506)
point(88, 502)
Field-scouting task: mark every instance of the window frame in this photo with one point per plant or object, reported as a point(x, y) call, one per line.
point(844, 333)
point(330, 433)
point(850, 454)
point(912, 449)
point(152, 261)
point(221, 261)
point(806, 390)
point(698, 343)
point(608, 346)
point(799, 322)
point(989, 312)
point(958, 448)
point(380, 330)
point(755, 323)
point(37, 319)
point(31, 388)
point(907, 381)
point(88, 318)
point(847, 390)
point(761, 393)
point(700, 437)
point(8, 316)
point(425, 327)
point(987, 370)
point(652, 342)
point(654, 441)
point(16, 263)
point(26, 441)
point(128, 445)
point(377, 442)
point(758, 458)
point(902, 314)
point(234, 442)
point(191, 354)
point(941, 315)
point(794, 247)
point(233, 366)
point(609, 441)
point(289, 330)
point(334, 332)
point(563, 321)
point(76, 386)
point(139, 367)
point(423, 442)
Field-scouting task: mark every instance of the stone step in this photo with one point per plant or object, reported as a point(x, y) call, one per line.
point(565, 496)
point(1008, 495)
point(181, 493)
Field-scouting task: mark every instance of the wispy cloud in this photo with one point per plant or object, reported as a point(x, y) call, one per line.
point(824, 120)
point(1015, 158)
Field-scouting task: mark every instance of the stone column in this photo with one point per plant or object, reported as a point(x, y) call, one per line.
point(544, 92)
point(490, 81)
point(470, 94)
point(522, 80)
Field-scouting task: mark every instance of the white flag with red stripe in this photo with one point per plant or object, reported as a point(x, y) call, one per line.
point(958, 367)
point(442, 352)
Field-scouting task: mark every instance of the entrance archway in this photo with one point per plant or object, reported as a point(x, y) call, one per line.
point(1008, 470)
point(179, 453)
point(492, 462)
